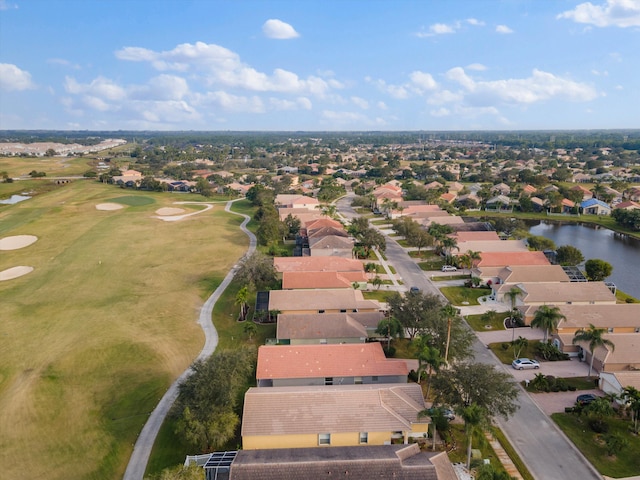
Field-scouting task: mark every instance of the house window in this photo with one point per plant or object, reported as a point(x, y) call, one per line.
point(637, 329)
point(343, 310)
point(320, 311)
point(355, 310)
point(357, 380)
point(323, 341)
point(374, 379)
point(610, 329)
point(324, 439)
point(328, 380)
point(364, 437)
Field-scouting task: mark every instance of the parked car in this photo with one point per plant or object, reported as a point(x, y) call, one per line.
point(586, 399)
point(414, 290)
point(446, 412)
point(449, 268)
point(522, 363)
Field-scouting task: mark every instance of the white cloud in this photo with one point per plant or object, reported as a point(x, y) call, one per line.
point(284, 104)
point(540, 86)
point(13, 78)
point(477, 67)
point(63, 62)
point(423, 81)
point(598, 73)
point(100, 87)
point(503, 29)
point(232, 103)
point(440, 112)
point(613, 13)
point(444, 96)
point(224, 67)
point(4, 5)
point(381, 105)
point(475, 22)
point(360, 102)
point(279, 30)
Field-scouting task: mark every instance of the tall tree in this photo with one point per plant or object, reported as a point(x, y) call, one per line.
point(450, 313)
point(241, 299)
point(631, 396)
point(257, 271)
point(597, 270)
point(391, 328)
point(547, 318)
point(569, 255)
point(595, 337)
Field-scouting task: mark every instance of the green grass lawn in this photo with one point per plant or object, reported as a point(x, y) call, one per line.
point(506, 355)
point(95, 334)
point(380, 295)
point(446, 278)
point(487, 322)
point(464, 295)
point(591, 444)
point(479, 442)
point(622, 297)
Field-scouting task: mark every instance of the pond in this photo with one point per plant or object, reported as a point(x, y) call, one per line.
point(621, 251)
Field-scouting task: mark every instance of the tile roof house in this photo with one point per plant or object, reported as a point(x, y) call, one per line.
point(618, 318)
point(296, 280)
point(624, 357)
point(336, 364)
point(503, 259)
point(616, 382)
point(327, 328)
point(317, 264)
point(321, 301)
point(304, 214)
point(345, 415)
point(296, 201)
point(331, 245)
point(488, 246)
point(475, 236)
point(399, 462)
point(628, 205)
point(504, 278)
point(558, 293)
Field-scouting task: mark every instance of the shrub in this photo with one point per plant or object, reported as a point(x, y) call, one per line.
point(505, 346)
point(391, 352)
point(598, 425)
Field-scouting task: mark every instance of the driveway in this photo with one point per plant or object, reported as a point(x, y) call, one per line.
point(556, 402)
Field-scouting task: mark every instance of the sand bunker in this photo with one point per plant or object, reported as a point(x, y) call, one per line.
point(14, 272)
point(169, 211)
point(109, 206)
point(17, 241)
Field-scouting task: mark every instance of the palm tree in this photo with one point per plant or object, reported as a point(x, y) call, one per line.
point(428, 356)
point(547, 318)
point(631, 395)
point(449, 244)
point(241, 299)
point(595, 337)
point(518, 345)
point(474, 417)
point(512, 294)
point(475, 258)
point(449, 312)
point(390, 327)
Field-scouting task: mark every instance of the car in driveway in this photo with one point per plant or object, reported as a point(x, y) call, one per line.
point(586, 399)
point(446, 412)
point(522, 363)
point(449, 268)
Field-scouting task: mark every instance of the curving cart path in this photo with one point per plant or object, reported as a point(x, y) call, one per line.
point(142, 448)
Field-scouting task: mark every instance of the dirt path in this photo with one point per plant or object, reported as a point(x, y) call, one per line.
point(142, 448)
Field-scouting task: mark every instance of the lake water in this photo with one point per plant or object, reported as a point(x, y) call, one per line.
point(622, 252)
point(14, 199)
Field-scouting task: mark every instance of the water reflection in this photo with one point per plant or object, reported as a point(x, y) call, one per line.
point(621, 251)
point(14, 199)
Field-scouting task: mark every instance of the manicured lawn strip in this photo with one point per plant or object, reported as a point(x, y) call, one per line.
point(433, 266)
point(625, 464)
point(429, 254)
point(380, 269)
point(446, 278)
point(479, 323)
point(380, 295)
point(458, 295)
point(506, 356)
point(622, 297)
point(479, 442)
point(515, 458)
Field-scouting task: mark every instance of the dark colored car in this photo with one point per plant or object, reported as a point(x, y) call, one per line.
point(446, 412)
point(586, 398)
point(414, 290)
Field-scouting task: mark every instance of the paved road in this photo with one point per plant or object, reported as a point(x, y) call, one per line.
point(545, 450)
point(142, 449)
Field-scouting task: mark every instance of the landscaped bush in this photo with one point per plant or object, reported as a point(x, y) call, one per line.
point(550, 352)
point(598, 425)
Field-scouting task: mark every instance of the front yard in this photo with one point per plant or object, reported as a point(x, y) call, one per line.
point(626, 460)
point(487, 322)
point(463, 295)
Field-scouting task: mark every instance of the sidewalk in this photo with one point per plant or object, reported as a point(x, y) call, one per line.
point(505, 460)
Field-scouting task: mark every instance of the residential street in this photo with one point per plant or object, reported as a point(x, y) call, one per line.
point(546, 451)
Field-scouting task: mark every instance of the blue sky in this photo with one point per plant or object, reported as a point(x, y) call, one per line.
point(319, 65)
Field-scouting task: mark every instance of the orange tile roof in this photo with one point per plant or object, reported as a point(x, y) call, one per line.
point(321, 279)
point(503, 259)
point(335, 360)
point(317, 264)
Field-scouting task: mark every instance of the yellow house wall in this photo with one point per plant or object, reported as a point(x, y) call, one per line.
point(260, 442)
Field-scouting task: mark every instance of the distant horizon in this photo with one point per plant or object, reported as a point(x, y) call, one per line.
point(319, 65)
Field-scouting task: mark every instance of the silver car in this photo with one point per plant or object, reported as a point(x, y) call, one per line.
point(522, 363)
